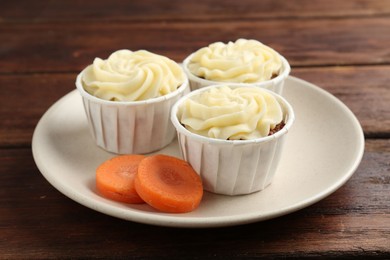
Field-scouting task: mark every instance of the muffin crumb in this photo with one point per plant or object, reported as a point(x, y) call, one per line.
point(277, 128)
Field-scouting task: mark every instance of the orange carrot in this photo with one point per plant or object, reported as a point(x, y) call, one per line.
point(115, 178)
point(168, 184)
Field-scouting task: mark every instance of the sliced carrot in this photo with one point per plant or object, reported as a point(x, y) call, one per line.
point(115, 178)
point(168, 184)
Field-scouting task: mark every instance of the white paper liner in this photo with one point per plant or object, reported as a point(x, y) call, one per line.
point(276, 84)
point(233, 167)
point(131, 127)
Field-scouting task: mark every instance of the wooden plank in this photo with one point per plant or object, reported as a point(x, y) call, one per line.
point(352, 221)
point(363, 89)
point(174, 10)
point(23, 101)
point(63, 47)
point(342, 46)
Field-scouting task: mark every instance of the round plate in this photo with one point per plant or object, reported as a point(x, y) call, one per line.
point(322, 151)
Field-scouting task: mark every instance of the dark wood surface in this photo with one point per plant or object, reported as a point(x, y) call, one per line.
point(342, 46)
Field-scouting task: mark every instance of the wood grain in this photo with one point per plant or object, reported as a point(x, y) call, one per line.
point(357, 212)
point(176, 10)
point(341, 46)
point(64, 47)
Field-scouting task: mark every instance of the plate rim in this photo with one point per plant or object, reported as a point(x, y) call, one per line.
point(177, 220)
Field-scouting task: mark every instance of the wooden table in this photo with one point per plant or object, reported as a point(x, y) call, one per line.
point(342, 46)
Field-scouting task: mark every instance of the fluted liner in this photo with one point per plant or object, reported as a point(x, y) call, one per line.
point(131, 127)
point(276, 84)
point(233, 167)
point(233, 170)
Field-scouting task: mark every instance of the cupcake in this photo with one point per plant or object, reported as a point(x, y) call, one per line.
point(232, 135)
point(128, 99)
point(243, 61)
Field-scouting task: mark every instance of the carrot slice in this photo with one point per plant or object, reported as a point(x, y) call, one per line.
point(115, 178)
point(168, 184)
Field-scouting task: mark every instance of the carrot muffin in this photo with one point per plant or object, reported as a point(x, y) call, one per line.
point(128, 98)
point(233, 135)
point(242, 61)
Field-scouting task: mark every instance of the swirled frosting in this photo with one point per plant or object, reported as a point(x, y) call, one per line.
point(241, 113)
point(132, 76)
point(242, 61)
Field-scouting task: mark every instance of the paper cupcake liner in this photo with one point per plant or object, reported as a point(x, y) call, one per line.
point(131, 127)
point(276, 84)
point(233, 170)
point(233, 167)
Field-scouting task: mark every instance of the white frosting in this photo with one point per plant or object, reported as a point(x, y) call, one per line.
point(242, 61)
point(132, 76)
point(225, 113)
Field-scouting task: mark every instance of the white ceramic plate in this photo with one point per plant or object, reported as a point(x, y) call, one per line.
point(322, 151)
